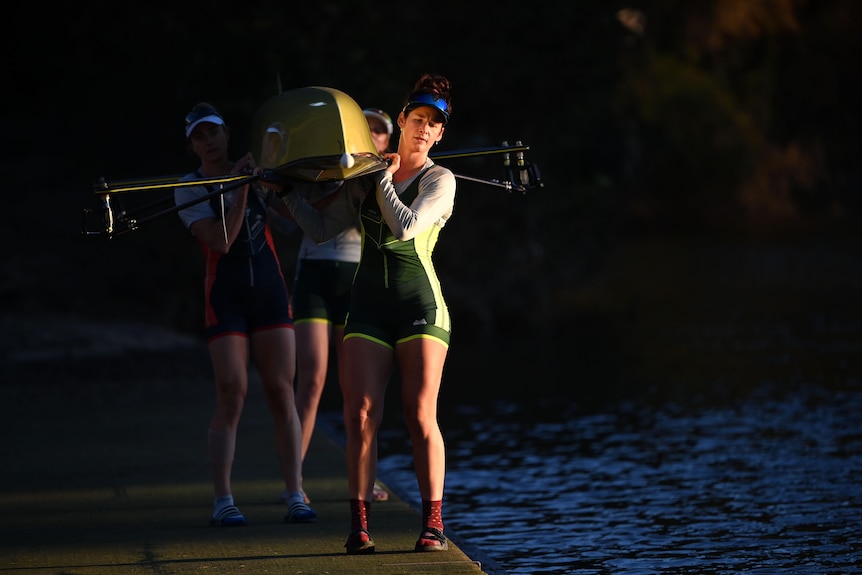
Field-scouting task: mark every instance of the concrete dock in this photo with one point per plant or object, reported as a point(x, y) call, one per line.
point(105, 472)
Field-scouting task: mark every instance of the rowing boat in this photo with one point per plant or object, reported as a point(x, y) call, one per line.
point(315, 134)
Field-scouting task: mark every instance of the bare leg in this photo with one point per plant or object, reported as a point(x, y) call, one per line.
point(367, 368)
point(274, 354)
point(421, 362)
point(312, 354)
point(229, 356)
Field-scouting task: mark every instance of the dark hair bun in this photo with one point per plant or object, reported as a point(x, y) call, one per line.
point(433, 84)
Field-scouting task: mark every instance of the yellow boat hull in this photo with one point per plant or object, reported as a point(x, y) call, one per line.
point(315, 134)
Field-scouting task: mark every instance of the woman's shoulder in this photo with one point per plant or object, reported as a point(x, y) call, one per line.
point(190, 176)
point(437, 173)
point(431, 165)
point(189, 192)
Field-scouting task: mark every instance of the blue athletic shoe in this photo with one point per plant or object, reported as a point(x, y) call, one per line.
point(230, 516)
point(299, 512)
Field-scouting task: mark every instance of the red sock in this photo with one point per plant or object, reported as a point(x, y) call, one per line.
point(359, 512)
point(432, 514)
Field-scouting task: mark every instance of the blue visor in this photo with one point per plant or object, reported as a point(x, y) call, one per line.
point(426, 99)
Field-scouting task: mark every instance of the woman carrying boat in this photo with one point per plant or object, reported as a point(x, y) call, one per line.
point(397, 314)
point(247, 313)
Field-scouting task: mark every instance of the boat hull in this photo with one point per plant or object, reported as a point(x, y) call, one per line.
point(315, 134)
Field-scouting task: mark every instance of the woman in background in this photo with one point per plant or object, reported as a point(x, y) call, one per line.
point(247, 313)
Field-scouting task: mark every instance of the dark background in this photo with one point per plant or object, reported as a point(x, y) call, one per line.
point(720, 121)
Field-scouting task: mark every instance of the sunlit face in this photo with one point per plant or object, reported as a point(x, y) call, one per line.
point(379, 134)
point(421, 128)
point(209, 141)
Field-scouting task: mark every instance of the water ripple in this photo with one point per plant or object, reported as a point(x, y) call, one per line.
point(767, 484)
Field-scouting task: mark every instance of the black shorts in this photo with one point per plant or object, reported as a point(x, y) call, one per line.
point(321, 290)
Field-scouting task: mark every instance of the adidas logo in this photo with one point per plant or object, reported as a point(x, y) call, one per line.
point(420, 322)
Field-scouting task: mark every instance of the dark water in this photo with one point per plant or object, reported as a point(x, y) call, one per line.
point(704, 415)
point(770, 484)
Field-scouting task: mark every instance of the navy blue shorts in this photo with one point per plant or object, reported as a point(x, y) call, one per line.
point(245, 295)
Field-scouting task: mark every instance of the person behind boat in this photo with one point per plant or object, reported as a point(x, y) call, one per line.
point(247, 312)
point(397, 315)
point(380, 124)
point(320, 298)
